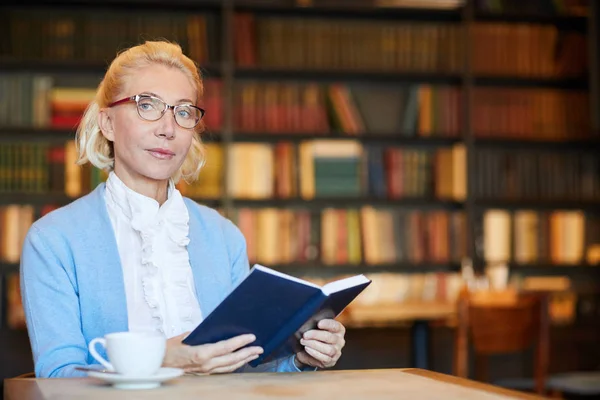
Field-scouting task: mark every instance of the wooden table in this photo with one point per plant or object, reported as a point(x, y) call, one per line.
point(347, 385)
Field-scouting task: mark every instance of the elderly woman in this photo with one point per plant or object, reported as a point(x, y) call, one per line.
point(134, 255)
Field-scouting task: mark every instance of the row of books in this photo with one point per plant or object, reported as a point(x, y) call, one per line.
point(332, 168)
point(530, 114)
point(553, 237)
point(311, 169)
point(97, 36)
point(536, 175)
point(39, 167)
point(409, 110)
point(339, 236)
point(346, 44)
point(525, 50)
point(415, 110)
point(322, 168)
point(50, 101)
point(353, 109)
point(333, 236)
point(528, 50)
point(297, 42)
point(15, 221)
point(382, 235)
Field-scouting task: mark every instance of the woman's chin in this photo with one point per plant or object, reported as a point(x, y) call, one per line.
point(158, 175)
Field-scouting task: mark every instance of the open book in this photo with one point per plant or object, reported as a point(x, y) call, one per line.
point(277, 308)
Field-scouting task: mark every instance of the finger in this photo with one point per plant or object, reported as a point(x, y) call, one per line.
point(305, 359)
point(331, 325)
point(321, 336)
point(229, 346)
point(233, 358)
point(317, 355)
point(324, 348)
point(231, 368)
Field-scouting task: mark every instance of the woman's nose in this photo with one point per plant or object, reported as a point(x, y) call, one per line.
point(168, 125)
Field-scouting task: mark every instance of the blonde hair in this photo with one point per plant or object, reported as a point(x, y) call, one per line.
point(91, 144)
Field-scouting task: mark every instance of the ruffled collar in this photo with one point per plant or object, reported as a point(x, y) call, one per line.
point(163, 231)
point(146, 214)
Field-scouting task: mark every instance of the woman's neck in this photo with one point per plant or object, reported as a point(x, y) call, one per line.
point(154, 189)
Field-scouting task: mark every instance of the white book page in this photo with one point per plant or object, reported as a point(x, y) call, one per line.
point(346, 283)
point(285, 276)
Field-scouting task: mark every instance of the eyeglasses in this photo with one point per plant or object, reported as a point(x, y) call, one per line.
point(152, 108)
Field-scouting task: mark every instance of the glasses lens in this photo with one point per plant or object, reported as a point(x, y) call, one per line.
point(150, 108)
point(187, 116)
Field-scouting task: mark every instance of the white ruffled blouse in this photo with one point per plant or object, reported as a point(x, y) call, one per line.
point(152, 242)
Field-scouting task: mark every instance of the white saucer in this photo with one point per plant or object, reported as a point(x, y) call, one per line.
point(137, 382)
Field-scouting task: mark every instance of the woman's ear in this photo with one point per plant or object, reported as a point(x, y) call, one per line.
point(105, 124)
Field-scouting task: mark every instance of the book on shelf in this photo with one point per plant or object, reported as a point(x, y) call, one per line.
point(277, 308)
point(528, 237)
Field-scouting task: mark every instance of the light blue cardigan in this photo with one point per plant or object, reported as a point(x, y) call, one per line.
point(72, 283)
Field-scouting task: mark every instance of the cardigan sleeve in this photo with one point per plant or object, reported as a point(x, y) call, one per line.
point(51, 306)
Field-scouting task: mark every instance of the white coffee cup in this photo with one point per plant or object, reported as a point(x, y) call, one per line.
point(131, 353)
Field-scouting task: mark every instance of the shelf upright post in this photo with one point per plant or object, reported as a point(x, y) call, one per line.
point(468, 135)
point(227, 76)
point(593, 41)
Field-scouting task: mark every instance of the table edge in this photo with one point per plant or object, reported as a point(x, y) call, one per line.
point(34, 393)
point(487, 387)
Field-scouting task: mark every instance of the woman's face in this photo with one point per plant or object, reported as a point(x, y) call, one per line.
point(149, 150)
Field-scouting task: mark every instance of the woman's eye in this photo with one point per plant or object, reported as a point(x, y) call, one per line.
point(184, 113)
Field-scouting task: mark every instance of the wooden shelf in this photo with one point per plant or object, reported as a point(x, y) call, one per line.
point(157, 5)
point(589, 144)
point(555, 269)
point(58, 135)
point(531, 82)
point(75, 66)
point(345, 75)
point(342, 202)
point(538, 204)
point(549, 268)
point(60, 199)
point(27, 134)
point(577, 22)
point(316, 204)
point(35, 199)
point(391, 139)
point(324, 270)
point(349, 9)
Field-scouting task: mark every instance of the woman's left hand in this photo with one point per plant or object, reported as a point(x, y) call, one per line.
point(322, 346)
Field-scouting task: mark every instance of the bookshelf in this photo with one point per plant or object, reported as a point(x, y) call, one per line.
point(460, 69)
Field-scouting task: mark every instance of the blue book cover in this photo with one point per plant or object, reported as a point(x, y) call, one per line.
point(277, 308)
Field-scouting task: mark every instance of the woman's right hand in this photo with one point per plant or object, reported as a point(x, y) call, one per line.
point(214, 358)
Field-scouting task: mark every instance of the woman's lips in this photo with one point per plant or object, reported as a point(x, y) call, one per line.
point(161, 154)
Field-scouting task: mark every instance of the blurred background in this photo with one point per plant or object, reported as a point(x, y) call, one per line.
point(446, 149)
